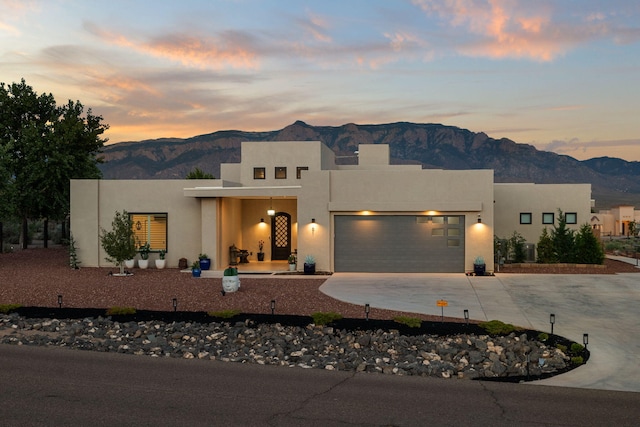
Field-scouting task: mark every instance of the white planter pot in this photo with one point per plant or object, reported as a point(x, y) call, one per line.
point(230, 283)
point(143, 263)
point(160, 264)
point(292, 267)
point(130, 263)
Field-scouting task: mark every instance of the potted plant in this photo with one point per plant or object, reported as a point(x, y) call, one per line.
point(205, 261)
point(230, 280)
point(292, 262)
point(195, 269)
point(144, 255)
point(260, 253)
point(160, 262)
point(309, 264)
point(479, 267)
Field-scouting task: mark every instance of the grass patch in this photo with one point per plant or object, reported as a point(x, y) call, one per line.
point(322, 318)
point(120, 311)
point(496, 327)
point(412, 322)
point(224, 314)
point(8, 308)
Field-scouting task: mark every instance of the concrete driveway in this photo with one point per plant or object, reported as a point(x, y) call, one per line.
point(607, 307)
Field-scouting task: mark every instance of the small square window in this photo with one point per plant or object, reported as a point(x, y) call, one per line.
point(571, 217)
point(259, 173)
point(547, 218)
point(281, 172)
point(525, 218)
point(299, 170)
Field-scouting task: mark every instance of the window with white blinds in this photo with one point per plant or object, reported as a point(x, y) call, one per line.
point(150, 227)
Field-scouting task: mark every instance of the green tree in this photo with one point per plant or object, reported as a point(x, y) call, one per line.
point(516, 242)
point(633, 228)
point(45, 145)
point(120, 242)
point(546, 254)
point(198, 173)
point(563, 240)
point(588, 249)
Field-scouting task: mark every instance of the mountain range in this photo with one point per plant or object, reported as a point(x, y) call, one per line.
point(434, 146)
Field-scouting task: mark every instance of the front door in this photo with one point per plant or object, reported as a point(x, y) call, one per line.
point(280, 236)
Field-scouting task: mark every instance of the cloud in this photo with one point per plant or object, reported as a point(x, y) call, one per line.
point(316, 26)
point(519, 29)
point(623, 148)
point(233, 49)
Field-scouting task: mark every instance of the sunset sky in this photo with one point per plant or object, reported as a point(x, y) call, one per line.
point(562, 75)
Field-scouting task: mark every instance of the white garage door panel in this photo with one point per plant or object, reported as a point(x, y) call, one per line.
point(403, 243)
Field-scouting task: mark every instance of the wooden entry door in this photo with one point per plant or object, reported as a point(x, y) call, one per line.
point(280, 236)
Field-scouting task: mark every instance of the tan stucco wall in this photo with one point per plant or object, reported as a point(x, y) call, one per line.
point(94, 203)
point(512, 199)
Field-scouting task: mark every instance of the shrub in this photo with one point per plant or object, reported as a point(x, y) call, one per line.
point(576, 348)
point(120, 311)
point(8, 308)
point(577, 360)
point(543, 336)
point(562, 348)
point(496, 327)
point(412, 322)
point(322, 318)
point(224, 314)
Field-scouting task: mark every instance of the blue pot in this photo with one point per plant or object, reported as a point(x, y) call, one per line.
point(196, 272)
point(205, 264)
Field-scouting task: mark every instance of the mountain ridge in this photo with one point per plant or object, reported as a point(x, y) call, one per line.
point(434, 146)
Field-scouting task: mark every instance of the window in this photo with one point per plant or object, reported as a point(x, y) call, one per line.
point(525, 218)
point(281, 172)
point(259, 173)
point(299, 170)
point(571, 217)
point(547, 218)
point(150, 227)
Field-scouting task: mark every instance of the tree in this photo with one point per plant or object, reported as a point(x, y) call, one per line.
point(563, 240)
point(45, 146)
point(588, 249)
point(516, 242)
point(633, 228)
point(546, 254)
point(198, 173)
point(120, 242)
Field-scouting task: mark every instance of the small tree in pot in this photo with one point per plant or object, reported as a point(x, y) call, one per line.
point(120, 242)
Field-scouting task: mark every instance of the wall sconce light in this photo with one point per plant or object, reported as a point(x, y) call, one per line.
point(271, 211)
point(262, 220)
point(138, 225)
point(60, 301)
point(273, 306)
point(552, 320)
point(367, 309)
point(175, 304)
point(466, 316)
point(313, 220)
point(585, 340)
point(479, 219)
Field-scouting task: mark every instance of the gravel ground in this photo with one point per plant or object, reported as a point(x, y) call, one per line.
point(35, 277)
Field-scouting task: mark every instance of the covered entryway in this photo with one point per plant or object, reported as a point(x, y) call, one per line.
point(399, 243)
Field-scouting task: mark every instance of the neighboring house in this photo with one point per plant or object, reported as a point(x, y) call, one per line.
point(369, 217)
point(615, 221)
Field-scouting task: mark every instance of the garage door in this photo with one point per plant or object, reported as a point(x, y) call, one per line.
point(403, 243)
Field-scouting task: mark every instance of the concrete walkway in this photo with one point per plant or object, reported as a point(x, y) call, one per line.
point(604, 306)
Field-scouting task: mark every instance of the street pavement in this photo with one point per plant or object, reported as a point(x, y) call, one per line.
point(606, 307)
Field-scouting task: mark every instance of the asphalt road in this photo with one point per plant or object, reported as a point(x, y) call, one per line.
point(61, 387)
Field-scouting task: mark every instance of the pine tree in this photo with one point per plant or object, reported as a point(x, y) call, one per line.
point(563, 240)
point(546, 254)
point(588, 249)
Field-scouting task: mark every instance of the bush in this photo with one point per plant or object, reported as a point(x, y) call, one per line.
point(8, 308)
point(120, 311)
point(577, 360)
point(412, 322)
point(496, 327)
point(224, 314)
point(562, 348)
point(576, 348)
point(543, 336)
point(322, 318)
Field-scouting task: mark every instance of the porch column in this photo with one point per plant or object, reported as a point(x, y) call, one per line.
point(209, 227)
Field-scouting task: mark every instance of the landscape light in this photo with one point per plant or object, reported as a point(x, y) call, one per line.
point(273, 306)
point(585, 340)
point(466, 316)
point(175, 304)
point(367, 309)
point(60, 301)
point(552, 320)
